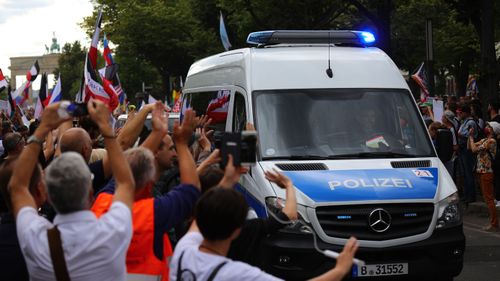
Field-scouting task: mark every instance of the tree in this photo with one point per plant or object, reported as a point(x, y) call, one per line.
point(480, 14)
point(70, 68)
point(161, 33)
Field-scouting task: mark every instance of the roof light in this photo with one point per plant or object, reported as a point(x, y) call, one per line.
point(346, 37)
point(367, 37)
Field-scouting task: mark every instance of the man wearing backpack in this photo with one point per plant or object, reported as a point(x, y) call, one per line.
point(466, 158)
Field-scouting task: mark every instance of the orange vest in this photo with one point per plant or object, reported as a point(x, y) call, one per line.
point(140, 255)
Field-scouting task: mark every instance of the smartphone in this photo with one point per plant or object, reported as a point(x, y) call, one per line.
point(77, 109)
point(242, 146)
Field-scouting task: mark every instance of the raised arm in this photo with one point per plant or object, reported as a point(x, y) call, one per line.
point(159, 122)
point(182, 134)
point(132, 129)
point(290, 209)
point(125, 185)
point(27, 161)
point(344, 263)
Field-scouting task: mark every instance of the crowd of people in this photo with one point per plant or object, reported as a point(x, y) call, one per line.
point(475, 141)
point(81, 200)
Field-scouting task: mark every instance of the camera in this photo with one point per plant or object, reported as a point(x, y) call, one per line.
point(242, 146)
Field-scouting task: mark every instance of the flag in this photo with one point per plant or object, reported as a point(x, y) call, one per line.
point(223, 34)
point(218, 107)
point(20, 95)
point(44, 90)
point(25, 120)
point(420, 77)
point(12, 104)
point(3, 81)
point(56, 92)
point(108, 58)
point(151, 99)
point(175, 96)
point(93, 89)
point(38, 108)
point(95, 40)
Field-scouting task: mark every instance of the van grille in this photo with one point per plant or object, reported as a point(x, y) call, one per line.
point(411, 164)
point(302, 166)
point(352, 220)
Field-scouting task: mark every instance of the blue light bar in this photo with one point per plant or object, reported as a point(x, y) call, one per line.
point(338, 37)
point(367, 37)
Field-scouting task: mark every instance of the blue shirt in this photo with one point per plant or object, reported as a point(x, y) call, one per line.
point(169, 210)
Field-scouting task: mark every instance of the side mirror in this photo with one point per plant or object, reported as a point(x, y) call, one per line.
point(444, 145)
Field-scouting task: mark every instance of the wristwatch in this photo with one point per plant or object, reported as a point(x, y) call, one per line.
point(34, 139)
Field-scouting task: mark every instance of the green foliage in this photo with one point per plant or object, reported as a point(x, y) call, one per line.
point(157, 38)
point(70, 68)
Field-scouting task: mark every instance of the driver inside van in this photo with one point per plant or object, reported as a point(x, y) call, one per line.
point(369, 128)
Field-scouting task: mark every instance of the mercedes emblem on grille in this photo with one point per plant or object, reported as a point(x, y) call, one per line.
point(379, 220)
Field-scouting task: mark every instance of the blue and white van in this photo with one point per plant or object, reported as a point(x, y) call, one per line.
point(352, 141)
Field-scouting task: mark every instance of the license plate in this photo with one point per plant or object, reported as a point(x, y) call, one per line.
point(380, 270)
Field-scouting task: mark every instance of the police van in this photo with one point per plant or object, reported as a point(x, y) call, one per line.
point(337, 117)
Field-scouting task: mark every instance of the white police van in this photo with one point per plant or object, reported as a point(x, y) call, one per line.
point(337, 117)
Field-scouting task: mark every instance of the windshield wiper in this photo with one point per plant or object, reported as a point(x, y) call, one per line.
point(374, 154)
point(296, 157)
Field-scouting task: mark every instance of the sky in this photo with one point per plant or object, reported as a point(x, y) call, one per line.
point(26, 26)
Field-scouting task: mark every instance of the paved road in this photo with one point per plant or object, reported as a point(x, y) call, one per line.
point(482, 253)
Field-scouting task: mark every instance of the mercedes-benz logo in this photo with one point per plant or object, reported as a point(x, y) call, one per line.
point(379, 220)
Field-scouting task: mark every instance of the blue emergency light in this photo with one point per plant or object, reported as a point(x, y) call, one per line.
point(340, 37)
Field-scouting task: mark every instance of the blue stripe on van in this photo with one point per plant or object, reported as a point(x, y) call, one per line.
point(252, 202)
point(358, 185)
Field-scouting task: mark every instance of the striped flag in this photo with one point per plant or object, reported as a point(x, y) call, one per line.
point(115, 79)
point(223, 34)
point(95, 40)
point(420, 77)
point(93, 89)
point(12, 104)
point(20, 95)
point(42, 97)
point(44, 90)
point(56, 92)
point(3, 81)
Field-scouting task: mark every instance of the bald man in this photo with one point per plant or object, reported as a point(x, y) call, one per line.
point(79, 141)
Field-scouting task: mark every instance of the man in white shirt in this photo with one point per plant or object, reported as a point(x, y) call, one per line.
point(93, 249)
point(220, 214)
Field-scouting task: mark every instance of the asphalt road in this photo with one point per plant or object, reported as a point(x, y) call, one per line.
point(482, 253)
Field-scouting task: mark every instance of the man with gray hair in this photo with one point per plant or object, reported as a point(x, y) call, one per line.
point(154, 217)
point(77, 246)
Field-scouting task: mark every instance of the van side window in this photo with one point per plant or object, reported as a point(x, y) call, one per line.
point(215, 104)
point(239, 113)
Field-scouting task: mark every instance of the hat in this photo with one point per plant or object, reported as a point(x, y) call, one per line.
point(425, 104)
point(495, 126)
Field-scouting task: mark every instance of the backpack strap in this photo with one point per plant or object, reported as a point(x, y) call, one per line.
point(57, 254)
point(179, 267)
point(215, 271)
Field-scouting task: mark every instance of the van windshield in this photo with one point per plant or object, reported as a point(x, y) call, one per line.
point(340, 123)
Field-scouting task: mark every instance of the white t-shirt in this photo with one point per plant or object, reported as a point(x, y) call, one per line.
point(201, 265)
point(94, 249)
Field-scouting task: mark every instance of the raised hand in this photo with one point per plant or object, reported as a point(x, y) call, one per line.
point(99, 113)
point(183, 132)
point(51, 119)
point(160, 118)
point(345, 259)
point(278, 178)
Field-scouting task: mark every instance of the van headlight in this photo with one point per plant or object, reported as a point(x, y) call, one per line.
point(451, 214)
point(274, 205)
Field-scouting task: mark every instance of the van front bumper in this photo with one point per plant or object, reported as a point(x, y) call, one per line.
point(293, 257)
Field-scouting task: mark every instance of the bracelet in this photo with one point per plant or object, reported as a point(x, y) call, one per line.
point(108, 137)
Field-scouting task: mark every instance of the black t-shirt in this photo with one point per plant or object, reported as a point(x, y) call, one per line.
point(99, 181)
point(247, 247)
